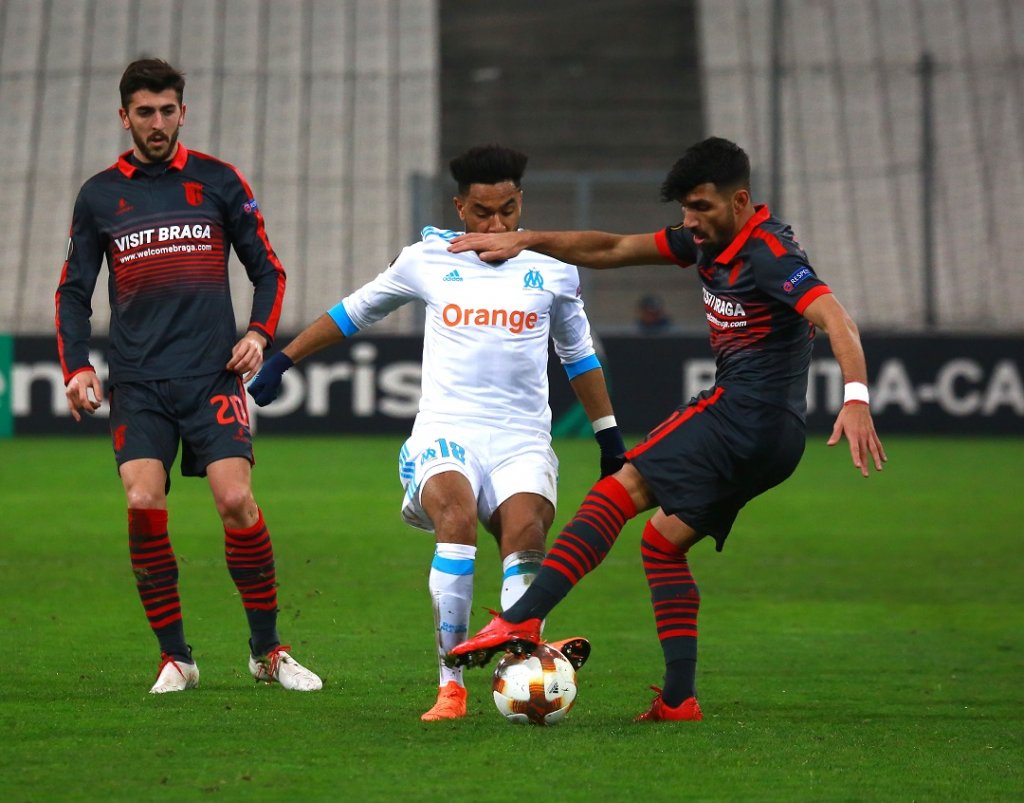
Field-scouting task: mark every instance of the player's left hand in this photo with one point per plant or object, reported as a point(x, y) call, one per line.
point(247, 356)
point(267, 385)
point(613, 450)
point(855, 422)
point(610, 464)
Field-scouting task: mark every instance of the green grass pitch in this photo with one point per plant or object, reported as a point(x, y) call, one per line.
point(860, 640)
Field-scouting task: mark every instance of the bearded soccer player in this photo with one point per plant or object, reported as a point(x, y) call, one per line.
point(480, 448)
point(718, 451)
point(165, 219)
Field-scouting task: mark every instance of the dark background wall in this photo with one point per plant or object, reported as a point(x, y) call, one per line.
point(588, 87)
point(577, 84)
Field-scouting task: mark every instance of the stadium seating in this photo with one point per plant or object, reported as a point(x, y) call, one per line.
point(327, 108)
point(333, 109)
point(852, 127)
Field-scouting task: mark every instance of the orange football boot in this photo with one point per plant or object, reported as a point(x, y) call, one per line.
point(451, 703)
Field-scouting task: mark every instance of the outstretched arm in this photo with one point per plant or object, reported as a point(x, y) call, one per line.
point(854, 419)
point(320, 334)
point(591, 249)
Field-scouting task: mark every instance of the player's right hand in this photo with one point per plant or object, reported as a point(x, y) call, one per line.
point(267, 385)
point(77, 393)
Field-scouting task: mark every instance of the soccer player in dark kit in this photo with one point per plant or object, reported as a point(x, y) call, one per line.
point(165, 218)
point(744, 435)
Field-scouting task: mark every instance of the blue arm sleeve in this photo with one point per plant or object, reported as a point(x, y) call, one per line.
point(574, 369)
point(339, 315)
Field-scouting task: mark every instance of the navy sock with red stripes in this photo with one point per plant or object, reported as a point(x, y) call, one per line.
point(250, 558)
point(676, 601)
point(578, 550)
point(156, 578)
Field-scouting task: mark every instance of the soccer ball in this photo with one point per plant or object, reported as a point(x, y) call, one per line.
point(538, 689)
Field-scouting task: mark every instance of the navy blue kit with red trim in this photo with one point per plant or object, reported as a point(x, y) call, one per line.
point(165, 232)
point(746, 433)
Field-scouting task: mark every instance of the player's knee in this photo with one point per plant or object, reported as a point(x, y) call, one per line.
point(142, 498)
point(456, 523)
point(234, 504)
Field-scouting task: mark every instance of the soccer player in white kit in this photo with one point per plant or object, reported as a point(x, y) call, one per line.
point(480, 448)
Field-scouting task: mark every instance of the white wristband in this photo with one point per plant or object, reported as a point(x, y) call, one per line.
point(855, 392)
point(604, 422)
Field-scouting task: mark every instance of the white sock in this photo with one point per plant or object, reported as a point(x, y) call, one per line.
point(451, 590)
point(518, 571)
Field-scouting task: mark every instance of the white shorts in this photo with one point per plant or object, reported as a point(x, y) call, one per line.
point(497, 465)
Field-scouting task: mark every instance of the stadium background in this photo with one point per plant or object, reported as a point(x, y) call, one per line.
point(860, 640)
point(886, 131)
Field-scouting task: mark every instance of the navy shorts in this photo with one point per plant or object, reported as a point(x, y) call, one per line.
point(207, 414)
point(715, 454)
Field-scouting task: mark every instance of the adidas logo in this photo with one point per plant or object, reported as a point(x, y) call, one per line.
point(452, 277)
point(123, 206)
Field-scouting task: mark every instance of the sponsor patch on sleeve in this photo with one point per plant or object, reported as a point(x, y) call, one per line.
point(798, 276)
point(250, 206)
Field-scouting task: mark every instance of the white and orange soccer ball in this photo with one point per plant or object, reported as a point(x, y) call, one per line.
point(538, 689)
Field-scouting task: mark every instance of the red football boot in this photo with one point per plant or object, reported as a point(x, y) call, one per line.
point(575, 649)
point(497, 635)
point(659, 712)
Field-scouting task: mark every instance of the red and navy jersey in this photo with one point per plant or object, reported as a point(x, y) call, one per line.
point(755, 292)
point(166, 232)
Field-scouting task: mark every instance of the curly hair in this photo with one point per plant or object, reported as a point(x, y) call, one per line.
point(487, 164)
point(712, 161)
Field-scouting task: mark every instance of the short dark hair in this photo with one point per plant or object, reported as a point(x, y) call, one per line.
point(487, 164)
point(156, 75)
point(714, 160)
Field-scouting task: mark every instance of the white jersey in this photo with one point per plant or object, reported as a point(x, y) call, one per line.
point(485, 342)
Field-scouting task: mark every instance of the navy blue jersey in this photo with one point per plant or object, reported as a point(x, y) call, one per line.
point(167, 237)
point(754, 294)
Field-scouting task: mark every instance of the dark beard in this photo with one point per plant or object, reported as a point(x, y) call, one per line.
point(149, 154)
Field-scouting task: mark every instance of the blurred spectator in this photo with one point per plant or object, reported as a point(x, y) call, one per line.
point(650, 316)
